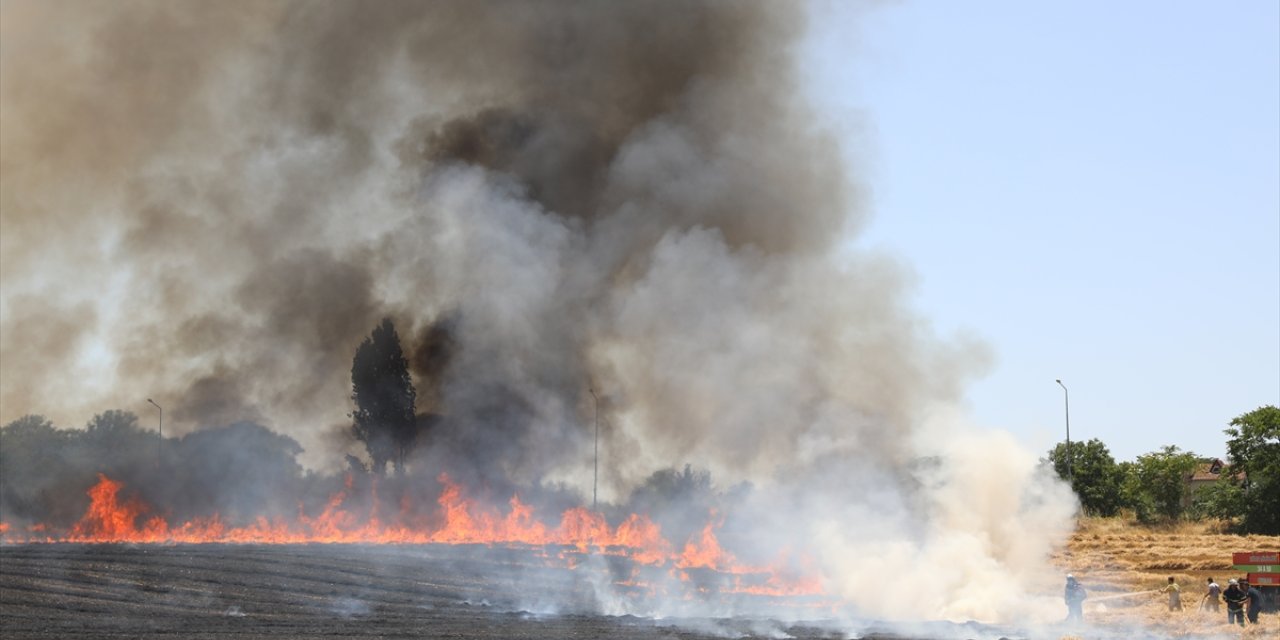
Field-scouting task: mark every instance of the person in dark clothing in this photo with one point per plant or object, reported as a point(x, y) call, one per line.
point(1074, 595)
point(1255, 601)
point(1235, 598)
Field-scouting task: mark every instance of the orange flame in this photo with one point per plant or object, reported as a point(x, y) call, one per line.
point(705, 551)
point(111, 519)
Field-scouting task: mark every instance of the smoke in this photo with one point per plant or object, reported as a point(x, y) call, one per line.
point(211, 204)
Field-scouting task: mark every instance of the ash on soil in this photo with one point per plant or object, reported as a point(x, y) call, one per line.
point(223, 591)
point(317, 591)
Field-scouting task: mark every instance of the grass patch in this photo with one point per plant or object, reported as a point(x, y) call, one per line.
point(1115, 557)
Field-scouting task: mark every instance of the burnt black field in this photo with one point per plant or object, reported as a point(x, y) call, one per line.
point(315, 591)
point(382, 591)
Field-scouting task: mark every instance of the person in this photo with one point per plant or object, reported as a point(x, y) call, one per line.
point(1175, 595)
point(1213, 599)
point(1074, 596)
point(1235, 597)
point(1254, 596)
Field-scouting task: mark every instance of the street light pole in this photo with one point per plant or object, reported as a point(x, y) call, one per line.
point(160, 443)
point(1066, 399)
point(595, 477)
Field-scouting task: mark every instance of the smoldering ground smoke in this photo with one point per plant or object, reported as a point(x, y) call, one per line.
point(214, 203)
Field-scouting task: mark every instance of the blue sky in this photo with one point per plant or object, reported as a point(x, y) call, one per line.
point(1091, 188)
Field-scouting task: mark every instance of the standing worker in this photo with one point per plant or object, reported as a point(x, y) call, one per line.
point(1074, 596)
point(1213, 599)
point(1235, 597)
point(1255, 601)
point(1175, 595)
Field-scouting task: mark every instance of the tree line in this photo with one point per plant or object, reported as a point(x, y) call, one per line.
point(241, 471)
point(1156, 487)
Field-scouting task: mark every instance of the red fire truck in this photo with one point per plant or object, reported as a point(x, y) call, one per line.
point(1263, 570)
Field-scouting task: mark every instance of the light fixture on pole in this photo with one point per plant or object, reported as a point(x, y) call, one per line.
point(595, 477)
point(1066, 399)
point(160, 443)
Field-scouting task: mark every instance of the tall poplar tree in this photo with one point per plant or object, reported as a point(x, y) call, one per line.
point(384, 398)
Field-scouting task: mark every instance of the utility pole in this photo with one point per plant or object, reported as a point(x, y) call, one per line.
point(160, 443)
point(595, 477)
point(1066, 399)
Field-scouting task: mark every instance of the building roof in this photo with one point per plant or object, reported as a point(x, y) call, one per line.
point(1210, 470)
point(1207, 471)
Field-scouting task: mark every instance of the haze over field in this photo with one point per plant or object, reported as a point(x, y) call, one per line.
point(212, 204)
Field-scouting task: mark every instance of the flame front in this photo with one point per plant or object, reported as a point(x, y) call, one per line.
point(113, 519)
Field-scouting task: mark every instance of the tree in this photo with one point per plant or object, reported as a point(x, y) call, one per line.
point(1223, 499)
point(1253, 470)
point(240, 471)
point(112, 423)
point(384, 397)
point(1095, 477)
point(1156, 485)
point(41, 477)
point(116, 445)
point(31, 451)
point(678, 501)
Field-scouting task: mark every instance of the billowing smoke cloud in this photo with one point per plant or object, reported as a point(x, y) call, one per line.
point(211, 204)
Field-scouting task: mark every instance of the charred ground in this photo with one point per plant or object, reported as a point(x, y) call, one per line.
point(306, 591)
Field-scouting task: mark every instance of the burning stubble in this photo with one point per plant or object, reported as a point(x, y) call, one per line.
point(214, 203)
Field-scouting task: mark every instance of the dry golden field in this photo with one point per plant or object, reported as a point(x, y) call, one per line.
point(1122, 564)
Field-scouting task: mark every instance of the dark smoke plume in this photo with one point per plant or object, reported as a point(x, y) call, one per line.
point(211, 204)
point(214, 204)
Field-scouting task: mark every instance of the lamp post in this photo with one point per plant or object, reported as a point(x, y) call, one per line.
point(160, 443)
point(1066, 400)
point(595, 477)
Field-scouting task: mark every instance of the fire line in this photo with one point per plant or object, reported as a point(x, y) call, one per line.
point(112, 518)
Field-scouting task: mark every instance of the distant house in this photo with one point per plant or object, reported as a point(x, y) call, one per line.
point(1207, 472)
